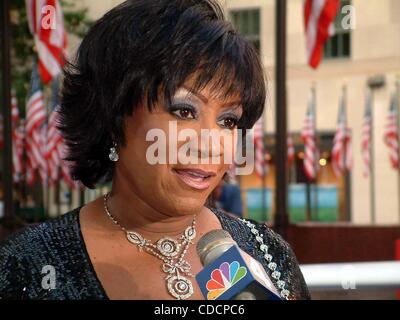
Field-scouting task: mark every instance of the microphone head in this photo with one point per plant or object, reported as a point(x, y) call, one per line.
point(213, 244)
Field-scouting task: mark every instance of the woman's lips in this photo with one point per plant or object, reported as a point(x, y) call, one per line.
point(195, 178)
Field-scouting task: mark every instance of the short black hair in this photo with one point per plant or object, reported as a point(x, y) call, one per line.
point(133, 51)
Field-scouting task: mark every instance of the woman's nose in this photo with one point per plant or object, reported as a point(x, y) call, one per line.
point(210, 145)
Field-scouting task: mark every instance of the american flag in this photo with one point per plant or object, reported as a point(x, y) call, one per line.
point(291, 150)
point(341, 151)
point(260, 152)
point(319, 16)
point(17, 139)
point(47, 27)
point(14, 108)
point(52, 156)
point(308, 135)
point(35, 131)
point(366, 132)
point(18, 151)
point(55, 143)
point(392, 133)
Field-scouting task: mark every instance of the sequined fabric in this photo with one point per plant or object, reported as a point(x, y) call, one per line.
point(59, 243)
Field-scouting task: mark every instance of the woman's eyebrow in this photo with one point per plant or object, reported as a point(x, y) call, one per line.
point(205, 100)
point(199, 95)
point(236, 104)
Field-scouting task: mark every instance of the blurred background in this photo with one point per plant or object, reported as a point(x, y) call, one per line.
point(327, 157)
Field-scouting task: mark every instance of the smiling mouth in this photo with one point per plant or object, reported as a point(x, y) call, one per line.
point(195, 178)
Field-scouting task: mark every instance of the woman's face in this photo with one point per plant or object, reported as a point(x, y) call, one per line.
point(170, 161)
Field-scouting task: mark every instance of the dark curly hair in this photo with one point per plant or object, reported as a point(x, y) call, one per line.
point(137, 49)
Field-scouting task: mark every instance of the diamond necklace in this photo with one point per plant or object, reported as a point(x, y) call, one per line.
point(170, 251)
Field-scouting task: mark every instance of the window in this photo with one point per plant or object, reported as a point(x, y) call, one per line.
point(339, 46)
point(247, 23)
point(327, 200)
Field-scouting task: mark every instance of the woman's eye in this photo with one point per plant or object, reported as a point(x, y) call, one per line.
point(184, 113)
point(228, 123)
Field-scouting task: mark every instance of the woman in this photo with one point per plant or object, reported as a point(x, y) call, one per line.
point(143, 68)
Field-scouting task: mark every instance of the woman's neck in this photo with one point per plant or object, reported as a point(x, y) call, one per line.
point(134, 214)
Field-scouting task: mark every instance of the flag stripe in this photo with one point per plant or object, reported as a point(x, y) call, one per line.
point(51, 42)
point(308, 135)
point(260, 152)
point(36, 131)
point(391, 134)
point(366, 137)
point(341, 150)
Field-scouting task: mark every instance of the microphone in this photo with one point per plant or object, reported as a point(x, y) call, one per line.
point(229, 273)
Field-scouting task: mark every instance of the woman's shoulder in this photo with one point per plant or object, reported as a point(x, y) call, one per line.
point(29, 239)
point(41, 250)
point(271, 250)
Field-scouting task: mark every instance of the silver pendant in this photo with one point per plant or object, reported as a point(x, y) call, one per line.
point(180, 287)
point(168, 247)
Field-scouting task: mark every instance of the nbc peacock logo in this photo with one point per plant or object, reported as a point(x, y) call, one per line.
point(223, 278)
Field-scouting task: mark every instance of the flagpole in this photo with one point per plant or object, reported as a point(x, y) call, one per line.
point(397, 97)
point(6, 102)
point(372, 161)
point(308, 200)
point(316, 153)
point(263, 184)
point(308, 180)
point(345, 155)
point(262, 177)
point(314, 208)
point(281, 219)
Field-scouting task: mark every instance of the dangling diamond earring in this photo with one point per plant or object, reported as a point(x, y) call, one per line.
point(113, 153)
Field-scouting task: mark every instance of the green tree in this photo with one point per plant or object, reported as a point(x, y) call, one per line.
point(23, 50)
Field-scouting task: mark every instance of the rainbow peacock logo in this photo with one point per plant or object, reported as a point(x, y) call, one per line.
point(223, 278)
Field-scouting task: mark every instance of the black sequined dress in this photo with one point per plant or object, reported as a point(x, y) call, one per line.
point(59, 243)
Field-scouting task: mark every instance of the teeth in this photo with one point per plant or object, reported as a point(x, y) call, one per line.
point(196, 174)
